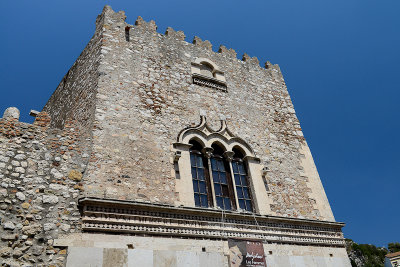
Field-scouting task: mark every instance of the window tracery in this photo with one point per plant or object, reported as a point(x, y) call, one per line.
point(218, 167)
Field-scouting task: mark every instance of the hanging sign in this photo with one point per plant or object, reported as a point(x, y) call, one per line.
point(246, 253)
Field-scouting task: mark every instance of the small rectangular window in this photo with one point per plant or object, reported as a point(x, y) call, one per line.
point(127, 28)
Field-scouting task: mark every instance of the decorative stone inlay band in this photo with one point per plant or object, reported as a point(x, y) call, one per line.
point(209, 82)
point(102, 215)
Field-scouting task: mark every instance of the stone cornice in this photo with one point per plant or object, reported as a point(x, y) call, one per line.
point(209, 82)
point(106, 215)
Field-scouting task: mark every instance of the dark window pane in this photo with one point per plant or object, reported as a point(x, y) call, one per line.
point(215, 177)
point(200, 174)
point(199, 161)
point(241, 204)
point(237, 179)
point(244, 181)
point(227, 203)
point(239, 192)
point(204, 201)
point(235, 167)
point(221, 165)
point(213, 164)
point(217, 188)
point(202, 186)
point(246, 193)
point(220, 202)
point(193, 159)
point(248, 205)
point(222, 176)
point(195, 186)
point(241, 168)
point(225, 190)
point(197, 200)
point(194, 174)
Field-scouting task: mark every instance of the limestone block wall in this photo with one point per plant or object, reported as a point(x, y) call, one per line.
point(145, 96)
point(101, 250)
point(40, 182)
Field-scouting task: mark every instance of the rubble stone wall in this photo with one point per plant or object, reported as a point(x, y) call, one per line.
point(114, 118)
point(146, 97)
point(40, 174)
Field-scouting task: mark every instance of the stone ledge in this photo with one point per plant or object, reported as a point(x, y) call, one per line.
point(209, 82)
point(116, 216)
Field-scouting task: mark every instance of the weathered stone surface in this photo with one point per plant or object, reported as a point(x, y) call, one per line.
point(9, 226)
point(65, 227)
point(17, 253)
point(175, 34)
point(8, 237)
point(32, 229)
point(5, 252)
point(20, 196)
point(11, 113)
point(25, 205)
point(56, 174)
point(37, 250)
point(48, 226)
point(50, 199)
point(85, 256)
point(75, 175)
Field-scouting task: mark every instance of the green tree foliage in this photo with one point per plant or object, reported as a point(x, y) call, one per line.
point(394, 247)
point(365, 254)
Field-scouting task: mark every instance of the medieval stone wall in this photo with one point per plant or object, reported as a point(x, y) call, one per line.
point(40, 174)
point(108, 129)
point(146, 96)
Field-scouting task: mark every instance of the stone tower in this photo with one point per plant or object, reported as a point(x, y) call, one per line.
point(153, 151)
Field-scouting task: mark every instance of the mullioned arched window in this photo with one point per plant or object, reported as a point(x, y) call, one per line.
point(219, 168)
point(201, 180)
point(243, 191)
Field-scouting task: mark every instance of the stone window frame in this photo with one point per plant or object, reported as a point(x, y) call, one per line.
point(200, 175)
point(217, 81)
point(206, 136)
point(216, 163)
point(240, 173)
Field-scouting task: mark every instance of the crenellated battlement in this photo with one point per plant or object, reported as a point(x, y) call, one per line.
point(144, 25)
point(151, 27)
point(180, 35)
point(102, 157)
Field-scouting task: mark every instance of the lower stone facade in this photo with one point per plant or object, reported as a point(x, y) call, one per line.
point(102, 250)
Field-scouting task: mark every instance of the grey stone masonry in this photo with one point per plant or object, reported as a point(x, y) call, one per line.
point(109, 134)
point(132, 91)
point(39, 189)
point(145, 96)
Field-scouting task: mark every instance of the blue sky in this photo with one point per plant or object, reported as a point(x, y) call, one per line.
point(340, 60)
